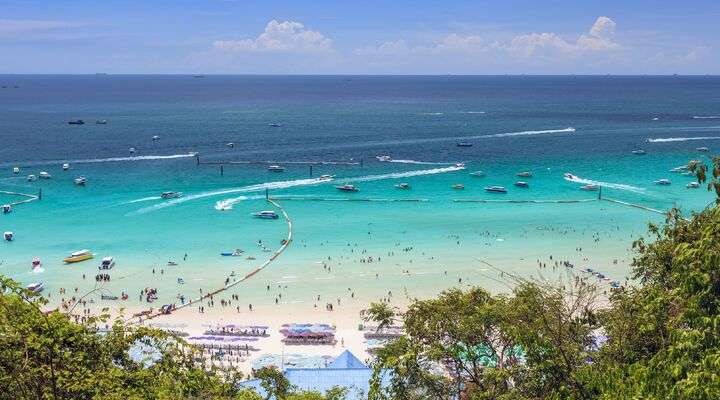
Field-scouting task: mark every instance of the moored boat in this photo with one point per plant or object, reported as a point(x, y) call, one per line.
point(702, 149)
point(524, 174)
point(35, 287)
point(65, 166)
point(522, 184)
point(9, 236)
point(80, 181)
point(45, 175)
point(36, 263)
point(156, 138)
point(663, 182)
point(458, 186)
point(347, 188)
point(403, 185)
point(170, 195)
point(639, 152)
point(266, 215)
point(132, 150)
point(275, 168)
point(464, 144)
point(16, 170)
point(496, 189)
point(101, 122)
point(6, 208)
point(78, 256)
point(693, 185)
point(107, 263)
point(76, 122)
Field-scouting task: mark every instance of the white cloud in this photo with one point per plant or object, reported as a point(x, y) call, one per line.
point(603, 27)
point(286, 36)
point(22, 27)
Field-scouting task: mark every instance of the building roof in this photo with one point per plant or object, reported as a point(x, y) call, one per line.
point(347, 360)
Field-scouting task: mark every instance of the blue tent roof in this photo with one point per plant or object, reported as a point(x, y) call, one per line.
point(347, 360)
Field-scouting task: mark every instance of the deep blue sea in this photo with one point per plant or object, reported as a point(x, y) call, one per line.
point(587, 126)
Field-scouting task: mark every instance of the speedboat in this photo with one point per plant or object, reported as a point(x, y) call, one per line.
point(663, 182)
point(132, 150)
point(638, 152)
point(347, 188)
point(524, 174)
point(35, 287)
point(460, 165)
point(230, 145)
point(384, 158)
point(8, 236)
point(80, 181)
point(170, 195)
point(45, 175)
point(78, 256)
point(275, 168)
point(236, 253)
point(703, 149)
point(496, 189)
point(155, 138)
point(16, 170)
point(679, 169)
point(590, 187)
point(403, 186)
point(76, 122)
point(522, 184)
point(458, 186)
point(101, 122)
point(266, 215)
point(66, 167)
point(464, 144)
point(35, 263)
point(107, 263)
point(693, 185)
point(326, 177)
point(274, 125)
point(477, 174)
point(6, 208)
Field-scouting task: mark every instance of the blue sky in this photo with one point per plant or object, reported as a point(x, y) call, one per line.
point(360, 37)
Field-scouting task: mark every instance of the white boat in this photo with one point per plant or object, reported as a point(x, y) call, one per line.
point(679, 169)
point(35, 263)
point(687, 173)
point(403, 186)
point(477, 174)
point(464, 144)
point(522, 184)
point(31, 178)
point(155, 138)
point(132, 150)
point(230, 145)
point(458, 186)
point(80, 181)
point(6, 208)
point(45, 175)
point(16, 170)
point(347, 188)
point(496, 189)
point(8, 236)
point(693, 185)
point(570, 176)
point(275, 168)
point(590, 187)
point(274, 125)
point(170, 195)
point(663, 182)
point(703, 149)
point(101, 122)
point(107, 263)
point(35, 287)
point(266, 215)
point(326, 177)
point(638, 152)
point(524, 174)
point(384, 158)
point(66, 167)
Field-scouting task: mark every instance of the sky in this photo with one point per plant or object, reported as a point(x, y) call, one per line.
point(360, 37)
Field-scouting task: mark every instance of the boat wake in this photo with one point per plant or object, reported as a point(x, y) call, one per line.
point(524, 133)
point(227, 204)
point(406, 174)
point(104, 160)
point(143, 199)
point(706, 117)
point(420, 162)
point(681, 139)
point(619, 186)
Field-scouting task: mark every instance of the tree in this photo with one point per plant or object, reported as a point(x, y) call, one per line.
point(380, 313)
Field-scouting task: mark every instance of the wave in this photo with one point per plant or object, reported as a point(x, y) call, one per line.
point(102, 160)
point(619, 186)
point(706, 116)
point(681, 139)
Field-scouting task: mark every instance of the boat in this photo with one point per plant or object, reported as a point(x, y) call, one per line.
point(663, 181)
point(326, 177)
point(101, 122)
point(155, 138)
point(570, 176)
point(464, 144)
point(78, 256)
point(477, 174)
point(132, 150)
point(266, 215)
point(107, 263)
point(76, 122)
point(35, 263)
point(693, 185)
point(274, 125)
point(687, 173)
point(638, 152)
point(524, 174)
point(35, 287)
point(496, 189)
point(458, 186)
point(108, 297)
point(8, 236)
point(590, 187)
point(170, 195)
point(235, 253)
point(384, 158)
point(16, 170)
point(403, 186)
point(460, 165)
point(6, 208)
point(275, 168)
point(66, 167)
point(679, 169)
point(522, 184)
point(347, 188)
point(45, 175)
point(230, 145)
point(702, 149)
point(171, 264)
point(80, 181)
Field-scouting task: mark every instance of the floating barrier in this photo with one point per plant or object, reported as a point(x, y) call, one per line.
point(346, 199)
point(522, 201)
point(635, 205)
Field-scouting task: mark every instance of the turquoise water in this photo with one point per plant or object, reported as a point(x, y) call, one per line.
point(515, 124)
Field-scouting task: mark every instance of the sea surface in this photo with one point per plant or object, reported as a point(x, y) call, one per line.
point(587, 126)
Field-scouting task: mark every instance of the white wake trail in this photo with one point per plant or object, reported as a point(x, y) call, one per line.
point(619, 186)
point(681, 139)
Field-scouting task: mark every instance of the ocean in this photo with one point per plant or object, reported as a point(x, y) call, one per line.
point(584, 125)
